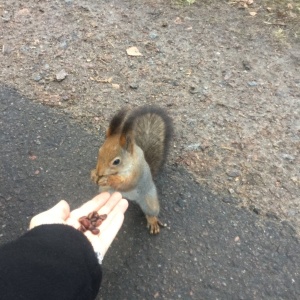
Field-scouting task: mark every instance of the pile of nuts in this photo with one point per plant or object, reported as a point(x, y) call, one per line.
point(91, 222)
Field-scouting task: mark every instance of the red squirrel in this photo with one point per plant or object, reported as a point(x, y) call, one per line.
point(133, 152)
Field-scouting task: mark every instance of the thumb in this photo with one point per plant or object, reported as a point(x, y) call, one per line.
point(57, 214)
point(61, 210)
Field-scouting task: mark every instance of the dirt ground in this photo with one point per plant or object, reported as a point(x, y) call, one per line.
point(228, 72)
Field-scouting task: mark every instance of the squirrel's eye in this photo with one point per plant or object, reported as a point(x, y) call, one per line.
point(116, 161)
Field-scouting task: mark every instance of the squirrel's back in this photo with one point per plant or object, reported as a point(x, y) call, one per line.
point(152, 129)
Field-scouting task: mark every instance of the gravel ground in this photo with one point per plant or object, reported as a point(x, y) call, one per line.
point(228, 73)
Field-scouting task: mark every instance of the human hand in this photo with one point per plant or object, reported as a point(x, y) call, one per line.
point(112, 205)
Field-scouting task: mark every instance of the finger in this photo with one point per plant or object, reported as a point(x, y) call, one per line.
point(108, 235)
point(120, 207)
point(95, 204)
point(57, 214)
point(110, 204)
point(111, 226)
point(61, 210)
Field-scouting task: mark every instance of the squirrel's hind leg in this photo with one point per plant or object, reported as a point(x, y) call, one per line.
point(151, 209)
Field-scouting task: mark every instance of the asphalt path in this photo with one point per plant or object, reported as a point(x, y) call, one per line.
point(211, 248)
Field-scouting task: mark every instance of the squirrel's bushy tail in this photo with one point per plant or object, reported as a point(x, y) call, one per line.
point(152, 129)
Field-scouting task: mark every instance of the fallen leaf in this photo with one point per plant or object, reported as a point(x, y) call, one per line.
point(108, 80)
point(23, 12)
point(133, 51)
point(61, 75)
point(178, 21)
point(94, 24)
point(115, 86)
point(188, 72)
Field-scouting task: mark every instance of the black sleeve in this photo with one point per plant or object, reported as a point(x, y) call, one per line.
point(49, 262)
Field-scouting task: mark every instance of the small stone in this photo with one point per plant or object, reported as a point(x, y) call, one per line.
point(63, 45)
point(227, 200)
point(288, 157)
point(6, 16)
point(24, 49)
point(191, 122)
point(227, 74)
point(233, 173)
point(37, 77)
point(195, 90)
point(295, 179)
point(194, 147)
point(65, 97)
point(151, 62)
point(256, 210)
point(153, 35)
point(246, 65)
point(134, 85)
point(252, 83)
point(61, 75)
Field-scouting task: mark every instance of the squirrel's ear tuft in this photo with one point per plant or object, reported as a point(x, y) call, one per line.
point(116, 123)
point(126, 142)
point(127, 138)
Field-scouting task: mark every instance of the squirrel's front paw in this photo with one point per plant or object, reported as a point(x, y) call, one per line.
point(154, 224)
point(103, 182)
point(94, 176)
